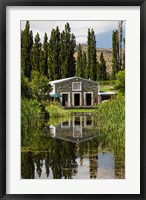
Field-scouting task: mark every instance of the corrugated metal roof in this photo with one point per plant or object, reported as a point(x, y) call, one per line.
point(61, 80)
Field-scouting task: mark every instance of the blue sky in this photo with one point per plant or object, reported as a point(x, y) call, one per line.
point(103, 30)
point(104, 40)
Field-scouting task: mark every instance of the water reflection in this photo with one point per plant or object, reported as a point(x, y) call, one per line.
point(106, 165)
point(70, 149)
point(75, 129)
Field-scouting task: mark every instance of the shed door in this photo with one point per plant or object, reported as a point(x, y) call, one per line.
point(88, 99)
point(76, 99)
point(65, 100)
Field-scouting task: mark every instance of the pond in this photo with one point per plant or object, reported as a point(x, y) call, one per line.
point(70, 148)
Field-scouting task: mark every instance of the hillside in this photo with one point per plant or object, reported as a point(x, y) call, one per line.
point(107, 53)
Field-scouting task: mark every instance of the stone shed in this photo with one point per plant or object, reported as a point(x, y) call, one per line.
point(76, 92)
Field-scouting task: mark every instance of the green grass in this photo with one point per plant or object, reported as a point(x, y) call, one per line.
point(107, 88)
point(109, 82)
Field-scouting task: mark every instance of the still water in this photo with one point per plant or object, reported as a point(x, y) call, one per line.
point(70, 148)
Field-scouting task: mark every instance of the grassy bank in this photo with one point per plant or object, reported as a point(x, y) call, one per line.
point(107, 88)
point(56, 110)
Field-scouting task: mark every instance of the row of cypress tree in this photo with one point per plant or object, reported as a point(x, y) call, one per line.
point(118, 63)
point(54, 58)
point(88, 66)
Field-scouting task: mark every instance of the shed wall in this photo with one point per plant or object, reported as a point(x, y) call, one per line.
point(87, 87)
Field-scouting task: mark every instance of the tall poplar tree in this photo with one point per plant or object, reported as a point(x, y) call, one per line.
point(42, 63)
point(63, 59)
point(79, 67)
point(84, 64)
point(54, 55)
point(26, 46)
point(88, 67)
point(45, 47)
point(115, 58)
point(67, 50)
point(98, 74)
point(35, 53)
point(123, 64)
point(92, 65)
point(102, 67)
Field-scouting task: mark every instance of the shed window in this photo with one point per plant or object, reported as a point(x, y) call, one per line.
point(76, 86)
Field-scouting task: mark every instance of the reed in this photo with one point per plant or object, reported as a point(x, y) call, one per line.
point(55, 110)
point(111, 120)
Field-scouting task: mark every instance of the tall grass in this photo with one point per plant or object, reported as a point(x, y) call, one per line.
point(111, 119)
point(55, 110)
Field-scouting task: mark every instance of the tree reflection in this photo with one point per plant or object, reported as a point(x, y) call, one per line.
point(27, 166)
point(48, 157)
point(58, 156)
point(93, 156)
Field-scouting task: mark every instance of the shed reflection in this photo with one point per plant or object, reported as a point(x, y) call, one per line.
point(75, 129)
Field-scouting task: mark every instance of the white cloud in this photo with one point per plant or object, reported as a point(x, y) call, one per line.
point(79, 28)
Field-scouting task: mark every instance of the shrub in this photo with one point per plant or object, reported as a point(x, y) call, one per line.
point(30, 112)
point(120, 82)
point(56, 110)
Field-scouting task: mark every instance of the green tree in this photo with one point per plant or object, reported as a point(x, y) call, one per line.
point(115, 59)
point(35, 53)
point(103, 67)
point(88, 55)
point(42, 62)
point(79, 67)
point(67, 50)
point(98, 71)
point(84, 64)
point(120, 82)
point(92, 65)
point(45, 47)
point(26, 46)
point(39, 86)
point(123, 63)
point(54, 55)
point(25, 90)
point(63, 55)
point(30, 113)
